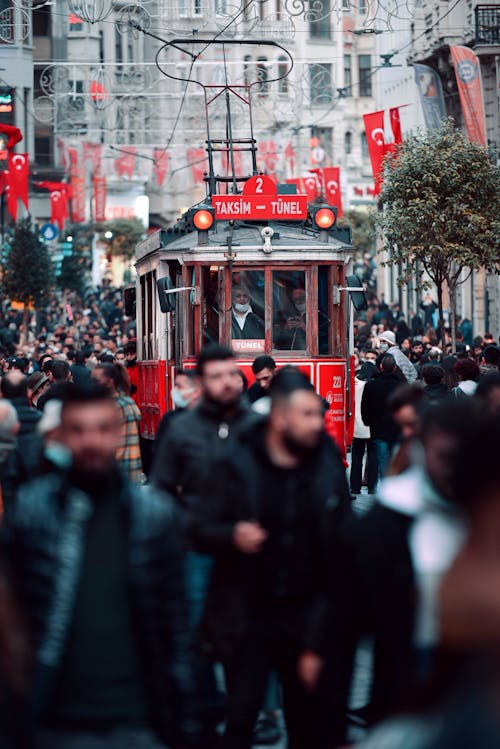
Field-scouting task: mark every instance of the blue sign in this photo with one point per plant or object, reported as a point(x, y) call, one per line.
point(49, 232)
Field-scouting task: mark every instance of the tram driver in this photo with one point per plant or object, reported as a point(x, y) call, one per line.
point(244, 322)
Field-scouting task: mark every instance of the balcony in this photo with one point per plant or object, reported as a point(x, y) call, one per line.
point(487, 22)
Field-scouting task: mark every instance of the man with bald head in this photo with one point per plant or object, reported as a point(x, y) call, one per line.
point(9, 427)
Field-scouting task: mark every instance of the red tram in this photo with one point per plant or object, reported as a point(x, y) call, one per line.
point(259, 286)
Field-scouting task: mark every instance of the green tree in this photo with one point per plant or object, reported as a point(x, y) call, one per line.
point(27, 270)
point(364, 229)
point(72, 275)
point(441, 211)
point(122, 235)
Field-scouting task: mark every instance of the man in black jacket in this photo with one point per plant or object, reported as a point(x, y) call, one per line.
point(96, 568)
point(376, 413)
point(14, 387)
point(277, 505)
point(185, 465)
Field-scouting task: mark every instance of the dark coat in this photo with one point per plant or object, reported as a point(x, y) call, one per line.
point(253, 327)
point(28, 416)
point(437, 391)
point(42, 547)
point(374, 409)
point(186, 456)
point(236, 497)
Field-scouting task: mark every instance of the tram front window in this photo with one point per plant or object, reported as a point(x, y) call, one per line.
point(247, 311)
point(289, 310)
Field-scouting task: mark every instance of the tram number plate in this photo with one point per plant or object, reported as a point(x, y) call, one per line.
point(257, 208)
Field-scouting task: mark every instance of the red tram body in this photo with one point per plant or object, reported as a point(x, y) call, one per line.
point(294, 275)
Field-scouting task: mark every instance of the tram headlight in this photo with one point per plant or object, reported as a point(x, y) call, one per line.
point(200, 218)
point(324, 217)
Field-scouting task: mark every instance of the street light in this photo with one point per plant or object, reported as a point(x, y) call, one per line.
point(108, 234)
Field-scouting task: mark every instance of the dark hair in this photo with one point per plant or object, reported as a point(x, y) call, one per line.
point(46, 367)
point(486, 385)
point(189, 373)
point(450, 376)
point(117, 374)
point(473, 470)
point(407, 395)
point(432, 374)
point(212, 352)
point(244, 380)
point(80, 357)
point(467, 369)
point(263, 362)
point(72, 394)
point(14, 388)
point(387, 363)
point(60, 370)
point(449, 416)
point(287, 381)
point(367, 371)
point(491, 355)
point(130, 348)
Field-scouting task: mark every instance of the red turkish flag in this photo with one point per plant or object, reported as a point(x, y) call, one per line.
point(92, 155)
point(290, 156)
point(60, 192)
point(13, 134)
point(396, 124)
point(74, 159)
point(377, 146)
point(197, 160)
point(331, 187)
point(267, 158)
point(125, 164)
point(162, 159)
point(18, 170)
point(100, 198)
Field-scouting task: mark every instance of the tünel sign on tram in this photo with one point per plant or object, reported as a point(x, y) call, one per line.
point(260, 201)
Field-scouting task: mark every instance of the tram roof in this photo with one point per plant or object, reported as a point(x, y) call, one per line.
point(289, 241)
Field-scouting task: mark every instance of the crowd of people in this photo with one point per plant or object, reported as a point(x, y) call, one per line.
point(193, 604)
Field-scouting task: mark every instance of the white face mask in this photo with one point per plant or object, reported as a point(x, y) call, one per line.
point(242, 307)
point(301, 306)
point(383, 347)
point(178, 399)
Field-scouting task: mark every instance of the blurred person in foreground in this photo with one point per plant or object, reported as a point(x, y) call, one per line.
point(398, 555)
point(95, 566)
point(460, 708)
point(271, 524)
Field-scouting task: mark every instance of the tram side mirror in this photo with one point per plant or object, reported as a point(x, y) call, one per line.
point(129, 297)
point(167, 301)
point(358, 298)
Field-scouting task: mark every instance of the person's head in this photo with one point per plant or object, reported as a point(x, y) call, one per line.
point(60, 370)
point(491, 355)
point(367, 370)
point(467, 369)
point(296, 417)
point(186, 391)
point(14, 385)
point(219, 375)
point(240, 298)
point(417, 349)
point(474, 480)
point(432, 374)
point(130, 352)
point(80, 358)
point(444, 426)
point(370, 355)
point(107, 376)
point(38, 383)
point(90, 427)
point(406, 404)
point(387, 339)
point(488, 393)
point(264, 369)
point(387, 364)
point(9, 422)
point(299, 299)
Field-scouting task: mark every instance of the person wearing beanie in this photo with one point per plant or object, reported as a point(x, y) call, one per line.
point(388, 346)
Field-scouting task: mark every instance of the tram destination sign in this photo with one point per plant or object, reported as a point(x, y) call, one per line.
point(260, 202)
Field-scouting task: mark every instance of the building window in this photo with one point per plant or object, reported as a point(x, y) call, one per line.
point(118, 46)
point(364, 146)
point(321, 83)
point(347, 75)
point(43, 156)
point(190, 8)
point(365, 75)
point(362, 7)
point(319, 23)
point(348, 142)
point(262, 76)
point(130, 46)
point(282, 71)
point(324, 137)
point(247, 67)
point(346, 4)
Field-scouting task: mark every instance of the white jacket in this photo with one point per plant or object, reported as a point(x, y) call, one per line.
point(361, 431)
point(403, 363)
